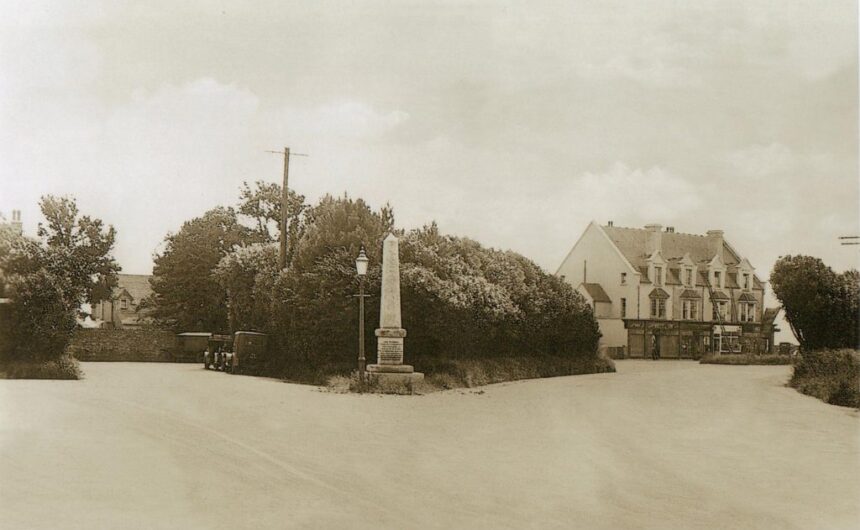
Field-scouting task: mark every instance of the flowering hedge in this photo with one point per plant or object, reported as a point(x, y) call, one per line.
point(460, 300)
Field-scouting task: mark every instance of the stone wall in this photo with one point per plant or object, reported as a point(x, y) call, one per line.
point(123, 345)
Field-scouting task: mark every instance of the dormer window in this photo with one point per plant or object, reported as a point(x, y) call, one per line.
point(658, 275)
point(123, 303)
point(718, 279)
point(688, 277)
point(746, 282)
point(623, 278)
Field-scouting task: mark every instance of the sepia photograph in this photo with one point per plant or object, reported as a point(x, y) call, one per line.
point(429, 264)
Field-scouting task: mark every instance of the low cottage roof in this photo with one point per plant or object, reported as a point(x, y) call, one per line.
point(137, 285)
point(596, 292)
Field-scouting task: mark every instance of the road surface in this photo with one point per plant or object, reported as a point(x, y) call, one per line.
point(657, 445)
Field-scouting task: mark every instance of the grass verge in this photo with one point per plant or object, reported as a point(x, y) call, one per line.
point(444, 374)
point(66, 367)
point(832, 376)
point(746, 358)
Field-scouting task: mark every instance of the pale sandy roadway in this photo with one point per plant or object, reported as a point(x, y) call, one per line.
point(657, 445)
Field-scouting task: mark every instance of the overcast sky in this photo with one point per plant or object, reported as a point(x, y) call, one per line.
point(514, 123)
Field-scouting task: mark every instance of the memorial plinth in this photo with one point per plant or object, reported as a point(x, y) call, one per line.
point(389, 350)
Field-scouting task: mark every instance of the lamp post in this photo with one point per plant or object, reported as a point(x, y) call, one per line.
point(361, 270)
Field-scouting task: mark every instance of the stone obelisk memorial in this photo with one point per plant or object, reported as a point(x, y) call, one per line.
point(389, 363)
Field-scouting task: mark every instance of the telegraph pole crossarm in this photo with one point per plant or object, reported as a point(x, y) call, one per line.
point(285, 197)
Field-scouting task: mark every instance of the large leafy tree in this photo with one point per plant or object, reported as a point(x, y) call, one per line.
point(821, 306)
point(262, 205)
point(243, 274)
point(81, 251)
point(186, 296)
point(50, 278)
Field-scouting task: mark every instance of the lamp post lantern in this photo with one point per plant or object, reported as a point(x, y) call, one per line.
point(361, 270)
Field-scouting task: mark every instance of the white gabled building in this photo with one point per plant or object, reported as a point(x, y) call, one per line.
point(682, 294)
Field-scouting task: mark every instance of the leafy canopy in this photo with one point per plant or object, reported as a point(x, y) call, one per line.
point(186, 296)
point(821, 306)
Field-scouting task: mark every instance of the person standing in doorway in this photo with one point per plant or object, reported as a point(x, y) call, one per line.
point(655, 347)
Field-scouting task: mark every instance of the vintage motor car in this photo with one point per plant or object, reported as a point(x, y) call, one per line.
point(249, 350)
point(217, 347)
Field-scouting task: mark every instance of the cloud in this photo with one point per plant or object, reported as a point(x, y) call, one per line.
point(759, 161)
point(636, 194)
point(342, 119)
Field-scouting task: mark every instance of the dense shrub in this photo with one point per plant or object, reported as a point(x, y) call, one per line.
point(40, 321)
point(63, 367)
point(459, 299)
point(746, 358)
point(830, 375)
point(243, 274)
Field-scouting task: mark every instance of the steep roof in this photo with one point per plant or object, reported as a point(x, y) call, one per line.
point(137, 285)
point(770, 314)
point(632, 242)
point(596, 292)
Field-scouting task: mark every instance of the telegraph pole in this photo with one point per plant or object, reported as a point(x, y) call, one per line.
point(285, 199)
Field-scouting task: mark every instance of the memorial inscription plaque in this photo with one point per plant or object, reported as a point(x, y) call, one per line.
point(390, 351)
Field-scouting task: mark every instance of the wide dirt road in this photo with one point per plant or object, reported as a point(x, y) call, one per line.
point(657, 445)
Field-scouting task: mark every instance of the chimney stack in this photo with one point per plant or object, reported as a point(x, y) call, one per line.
point(715, 242)
point(15, 224)
point(655, 238)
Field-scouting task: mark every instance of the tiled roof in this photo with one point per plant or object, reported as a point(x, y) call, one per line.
point(690, 293)
point(596, 292)
point(770, 315)
point(746, 297)
point(719, 295)
point(632, 242)
point(658, 293)
point(137, 286)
